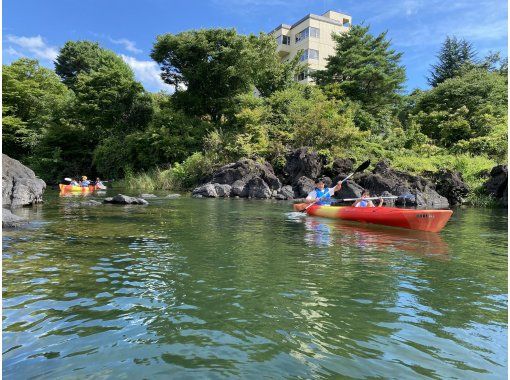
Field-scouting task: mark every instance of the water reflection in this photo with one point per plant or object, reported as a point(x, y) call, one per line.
point(368, 237)
point(230, 288)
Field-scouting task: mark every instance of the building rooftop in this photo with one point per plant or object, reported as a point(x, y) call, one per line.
point(312, 16)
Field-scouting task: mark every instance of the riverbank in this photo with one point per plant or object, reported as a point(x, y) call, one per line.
point(474, 174)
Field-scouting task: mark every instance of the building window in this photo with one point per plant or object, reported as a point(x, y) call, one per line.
point(313, 54)
point(308, 32)
point(309, 54)
point(283, 40)
point(304, 74)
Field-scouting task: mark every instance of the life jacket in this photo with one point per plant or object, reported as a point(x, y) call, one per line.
point(324, 194)
point(362, 203)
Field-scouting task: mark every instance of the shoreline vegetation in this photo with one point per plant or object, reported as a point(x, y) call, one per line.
point(235, 99)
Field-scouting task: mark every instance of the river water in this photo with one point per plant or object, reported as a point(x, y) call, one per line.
point(232, 288)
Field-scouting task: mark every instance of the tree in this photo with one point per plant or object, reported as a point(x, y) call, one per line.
point(454, 54)
point(33, 97)
point(78, 57)
point(108, 98)
point(209, 68)
point(466, 111)
point(366, 69)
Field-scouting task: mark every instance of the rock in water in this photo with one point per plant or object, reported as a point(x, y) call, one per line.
point(497, 185)
point(9, 220)
point(302, 162)
point(450, 185)
point(125, 200)
point(148, 196)
point(244, 178)
point(20, 186)
point(383, 178)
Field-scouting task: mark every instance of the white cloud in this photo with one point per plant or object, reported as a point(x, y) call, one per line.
point(14, 52)
point(147, 72)
point(34, 45)
point(128, 45)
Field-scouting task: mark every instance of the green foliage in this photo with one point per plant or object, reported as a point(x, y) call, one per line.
point(466, 113)
point(366, 69)
point(182, 176)
point(65, 150)
point(33, 97)
point(217, 65)
point(84, 57)
point(454, 54)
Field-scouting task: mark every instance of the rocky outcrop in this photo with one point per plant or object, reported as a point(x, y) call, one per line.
point(245, 178)
point(9, 220)
point(302, 162)
point(340, 169)
point(419, 191)
point(20, 186)
point(125, 200)
point(450, 185)
point(497, 185)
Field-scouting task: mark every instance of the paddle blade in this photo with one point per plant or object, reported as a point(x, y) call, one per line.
point(363, 166)
point(67, 179)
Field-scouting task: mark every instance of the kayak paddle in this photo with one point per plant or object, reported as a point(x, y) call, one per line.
point(360, 168)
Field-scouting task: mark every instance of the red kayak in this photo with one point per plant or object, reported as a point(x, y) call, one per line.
point(422, 220)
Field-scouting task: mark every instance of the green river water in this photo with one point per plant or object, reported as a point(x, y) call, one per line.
point(233, 288)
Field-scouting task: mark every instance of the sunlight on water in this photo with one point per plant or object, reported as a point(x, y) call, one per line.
point(240, 288)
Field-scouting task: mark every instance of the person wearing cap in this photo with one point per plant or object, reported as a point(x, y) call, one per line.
point(322, 195)
point(84, 181)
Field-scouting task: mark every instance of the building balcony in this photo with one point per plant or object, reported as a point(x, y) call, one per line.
point(283, 50)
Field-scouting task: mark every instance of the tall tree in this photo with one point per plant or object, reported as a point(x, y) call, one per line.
point(365, 68)
point(33, 97)
point(210, 67)
point(77, 57)
point(108, 98)
point(454, 54)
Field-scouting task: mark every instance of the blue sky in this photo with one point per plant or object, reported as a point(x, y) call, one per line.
point(37, 29)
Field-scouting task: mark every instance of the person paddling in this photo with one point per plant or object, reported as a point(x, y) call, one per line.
point(362, 202)
point(84, 181)
point(322, 195)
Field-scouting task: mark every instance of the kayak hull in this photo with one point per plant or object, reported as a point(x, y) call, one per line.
point(422, 220)
point(79, 189)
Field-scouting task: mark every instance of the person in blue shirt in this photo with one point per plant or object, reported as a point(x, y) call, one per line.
point(84, 181)
point(362, 202)
point(322, 195)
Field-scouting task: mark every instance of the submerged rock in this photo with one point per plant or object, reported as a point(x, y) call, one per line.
point(90, 203)
point(148, 196)
point(125, 200)
point(20, 186)
point(9, 220)
point(173, 196)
